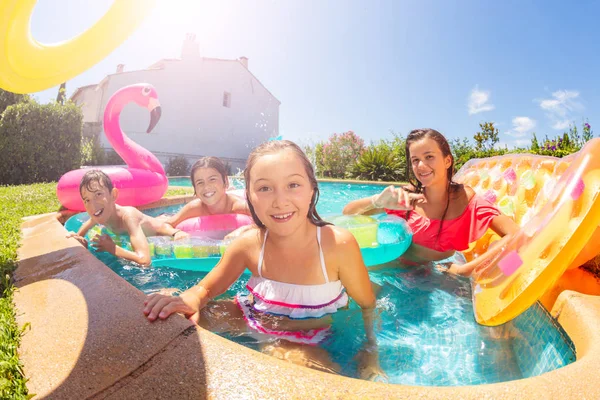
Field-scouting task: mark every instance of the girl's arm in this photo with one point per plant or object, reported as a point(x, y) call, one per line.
point(366, 206)
point(240, 206)
point(218, 280)
point(190, 210)
point(355, 278)
point(390, 198)
point(505, 227)
point(165, 229)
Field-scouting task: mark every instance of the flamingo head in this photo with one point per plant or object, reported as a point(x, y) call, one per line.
point(145, 96)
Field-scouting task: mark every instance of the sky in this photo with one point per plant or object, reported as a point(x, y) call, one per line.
point(377, 67)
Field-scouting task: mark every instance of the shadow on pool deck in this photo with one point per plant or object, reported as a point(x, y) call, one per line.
point(89, 339)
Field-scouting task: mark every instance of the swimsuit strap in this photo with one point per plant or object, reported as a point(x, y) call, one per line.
point(321, 255)
point(262, 254)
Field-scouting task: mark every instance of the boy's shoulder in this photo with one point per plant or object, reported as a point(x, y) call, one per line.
point(128, 213)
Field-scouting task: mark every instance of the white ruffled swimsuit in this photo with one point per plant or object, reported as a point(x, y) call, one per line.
point(290, 300)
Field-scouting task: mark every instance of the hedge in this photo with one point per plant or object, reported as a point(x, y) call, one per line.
point(39, 142)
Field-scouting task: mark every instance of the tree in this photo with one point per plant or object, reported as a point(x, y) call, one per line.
point(62, 93)
point(535, 146)
point(487, 137)
point(10, 98)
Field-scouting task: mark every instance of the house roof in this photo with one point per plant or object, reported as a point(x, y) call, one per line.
point(157, 65)
point(81, 89)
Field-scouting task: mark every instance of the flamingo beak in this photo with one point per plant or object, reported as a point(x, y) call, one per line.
point(155, 113)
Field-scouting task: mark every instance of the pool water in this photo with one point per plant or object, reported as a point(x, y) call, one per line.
point(333, 196)
point(425, 328)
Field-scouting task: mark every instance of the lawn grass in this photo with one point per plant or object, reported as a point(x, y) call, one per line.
point(16, 202)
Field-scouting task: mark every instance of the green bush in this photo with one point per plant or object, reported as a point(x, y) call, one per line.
point(9, 98)
point(178, 166)
point(39, 143)
point(319, 160)
point(339, 153)
point(463, 152)
point(565, 144)
point(91, 151)
point(379, 163)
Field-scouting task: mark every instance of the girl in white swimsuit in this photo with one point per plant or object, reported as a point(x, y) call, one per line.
point(303, 269)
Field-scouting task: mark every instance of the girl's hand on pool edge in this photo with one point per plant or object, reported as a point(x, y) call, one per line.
point(161, 306)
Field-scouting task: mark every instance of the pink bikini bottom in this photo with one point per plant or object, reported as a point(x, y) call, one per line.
point(312, 336)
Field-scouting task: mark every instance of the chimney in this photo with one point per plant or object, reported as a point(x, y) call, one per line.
point(244, 61)
point(120, 68)
point(190, 47)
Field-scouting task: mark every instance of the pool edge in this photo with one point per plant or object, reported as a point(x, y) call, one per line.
point(213, 366)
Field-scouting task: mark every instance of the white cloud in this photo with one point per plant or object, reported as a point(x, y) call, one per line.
point(560, 107)
point(561, 125)
point(479, 101)
point(522, 126)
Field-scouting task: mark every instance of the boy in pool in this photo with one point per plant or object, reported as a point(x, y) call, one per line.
point(99, 198)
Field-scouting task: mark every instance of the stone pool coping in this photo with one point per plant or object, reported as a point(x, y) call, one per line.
point(88, 338)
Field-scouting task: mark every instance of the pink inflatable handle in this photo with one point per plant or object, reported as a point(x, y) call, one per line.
point(211, 223)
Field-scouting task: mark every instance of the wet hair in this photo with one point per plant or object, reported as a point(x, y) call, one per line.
point(453, 187)
point(210, 162)
point(277, 146)
point(95, 175)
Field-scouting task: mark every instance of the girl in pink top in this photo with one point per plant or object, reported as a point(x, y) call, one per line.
point(303, 269)
point(445, 216)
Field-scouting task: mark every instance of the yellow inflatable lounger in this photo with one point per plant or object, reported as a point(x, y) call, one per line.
point(556, 203)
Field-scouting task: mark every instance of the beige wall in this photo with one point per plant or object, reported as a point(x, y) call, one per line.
point(194, 121)
point(89, 99)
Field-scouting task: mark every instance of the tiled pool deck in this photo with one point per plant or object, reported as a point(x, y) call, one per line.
point(89, 339)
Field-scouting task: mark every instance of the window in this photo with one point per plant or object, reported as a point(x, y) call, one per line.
point(227, 99)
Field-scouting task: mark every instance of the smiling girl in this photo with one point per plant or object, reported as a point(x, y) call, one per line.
point(444, 216)
point(303, 269)
point(210, 182)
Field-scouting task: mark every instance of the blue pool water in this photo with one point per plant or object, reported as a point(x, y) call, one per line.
point(426, 331)
point(333, 195)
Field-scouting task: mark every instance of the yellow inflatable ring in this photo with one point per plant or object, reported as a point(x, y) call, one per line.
point(27, 66)
point(560, 233)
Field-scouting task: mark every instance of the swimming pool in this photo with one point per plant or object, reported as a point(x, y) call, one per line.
point(333, 196)
point(426, 332)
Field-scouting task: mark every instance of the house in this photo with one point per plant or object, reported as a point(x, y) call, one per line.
point(209, 107)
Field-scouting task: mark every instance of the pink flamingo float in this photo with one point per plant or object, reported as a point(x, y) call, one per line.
point(144, 180)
